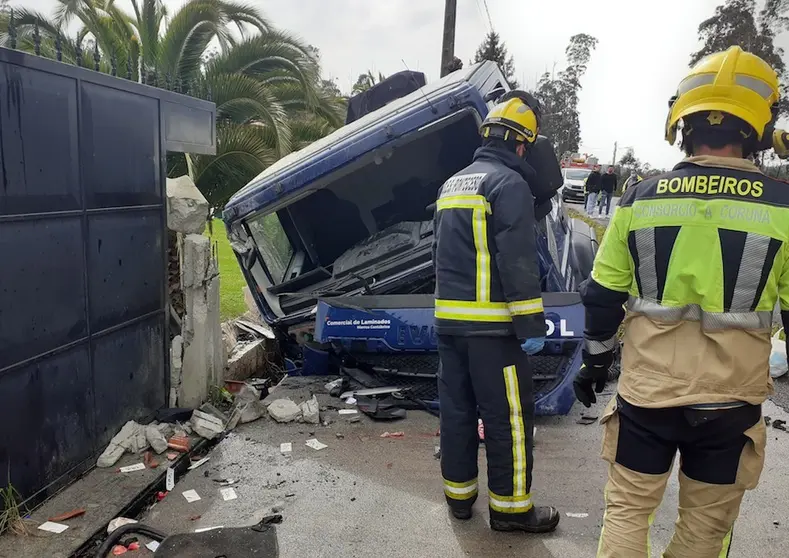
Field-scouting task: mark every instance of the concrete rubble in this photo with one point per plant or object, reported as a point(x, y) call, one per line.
point(284, 410)
point(310, 411)
point(156, 439)
point(249, 405)
point(206, 425)
point(187, 209)
point(131, 438)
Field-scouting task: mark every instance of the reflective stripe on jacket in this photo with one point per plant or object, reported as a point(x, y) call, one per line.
point(699, 257)
point(484, 250)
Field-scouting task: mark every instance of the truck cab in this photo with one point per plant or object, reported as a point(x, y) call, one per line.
point(341, 231)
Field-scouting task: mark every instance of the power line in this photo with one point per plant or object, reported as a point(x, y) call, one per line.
point(487, 11)
point(485, 22)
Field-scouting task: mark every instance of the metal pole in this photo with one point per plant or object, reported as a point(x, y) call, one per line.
point(448, 44)
point(613, 161)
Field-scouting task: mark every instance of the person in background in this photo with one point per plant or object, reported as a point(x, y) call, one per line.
point(608, 184)
point(634, 178)
point(592, 189)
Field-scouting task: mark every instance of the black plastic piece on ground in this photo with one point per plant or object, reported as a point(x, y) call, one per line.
point(175, 414)
point(124, 530)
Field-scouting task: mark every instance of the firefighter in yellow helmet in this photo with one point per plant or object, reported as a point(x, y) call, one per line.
point(698, 257)
point(489, 317)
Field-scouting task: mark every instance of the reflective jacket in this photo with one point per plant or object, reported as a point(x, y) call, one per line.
point(699, 258)
point(484, 250)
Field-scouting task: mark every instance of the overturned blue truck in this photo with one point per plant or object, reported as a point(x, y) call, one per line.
point(335, 240)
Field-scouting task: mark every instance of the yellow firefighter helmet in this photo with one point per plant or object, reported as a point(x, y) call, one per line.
point(516, 117)
point(730, 82)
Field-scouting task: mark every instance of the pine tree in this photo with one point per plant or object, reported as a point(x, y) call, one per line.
point(493, 48)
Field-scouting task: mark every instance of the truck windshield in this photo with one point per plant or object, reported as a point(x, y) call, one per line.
point(273, 245)
point(576, 174)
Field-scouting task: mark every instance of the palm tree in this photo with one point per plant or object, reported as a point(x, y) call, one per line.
point(265, 83)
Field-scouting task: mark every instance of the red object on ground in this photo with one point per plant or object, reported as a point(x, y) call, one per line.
point(134, 546)
point(68, 515)
point(149, 461)
point(481, 430)
point(180, 443)
point(172, 456)
point(393, 435)
point(195, 517)
point(117, 550)
point(161, 496)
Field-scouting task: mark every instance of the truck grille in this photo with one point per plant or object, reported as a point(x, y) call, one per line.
point(418, 371)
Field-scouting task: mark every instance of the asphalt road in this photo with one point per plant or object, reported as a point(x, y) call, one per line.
point(365, 495)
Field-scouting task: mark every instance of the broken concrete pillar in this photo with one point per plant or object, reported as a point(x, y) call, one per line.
point(176, 365)
point(252, 306)
point(203, 354)
point(187, 209)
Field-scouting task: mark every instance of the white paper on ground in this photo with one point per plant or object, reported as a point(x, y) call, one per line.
point(132, 468)
point(577, 515)
point(196, 464)
point(191, 496)
point(315, 444)
point(228, 494)
point(152, 546)
point(351, 401)
point(285, 447)
point(53, 527)
point(348, 411)
point(170, 480)
point(204, 529)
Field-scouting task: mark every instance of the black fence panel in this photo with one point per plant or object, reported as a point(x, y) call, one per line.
point(83, 299)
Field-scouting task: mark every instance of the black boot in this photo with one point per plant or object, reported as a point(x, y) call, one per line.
point(537, 520)
point(460, 512)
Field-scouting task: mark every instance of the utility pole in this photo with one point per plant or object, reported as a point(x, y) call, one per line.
point(613, 161)
point(448, 44)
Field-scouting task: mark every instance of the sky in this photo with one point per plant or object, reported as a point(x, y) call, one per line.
point(643, 51)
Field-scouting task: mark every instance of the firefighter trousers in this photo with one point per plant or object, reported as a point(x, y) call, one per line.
point(488, 377)
point(721, 456)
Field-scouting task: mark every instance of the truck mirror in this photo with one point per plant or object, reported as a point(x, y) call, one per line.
point(494, 94)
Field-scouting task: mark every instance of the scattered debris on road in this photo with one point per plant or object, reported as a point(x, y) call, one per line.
point(767, 420)
point(315, 444)
point(393, 435)
point(587, 420)
point(52, 527)
point(228, 494)
point(119, 522)
point(284, 410)
point(132, 468)
point(198, 463)
point(206, 425)
point(191, 495)
point(310, 411)
point(68, 515)
point(577, 515)
point(437, 452)
point(285, 448)
point(779, 424)
point(180, 443)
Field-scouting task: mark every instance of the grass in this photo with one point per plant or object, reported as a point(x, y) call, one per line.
point(11, 518)
point(231, 280)
point(598, 228)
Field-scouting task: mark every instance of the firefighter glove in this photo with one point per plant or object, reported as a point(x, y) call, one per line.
point(587, 377)
point(533, 346)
